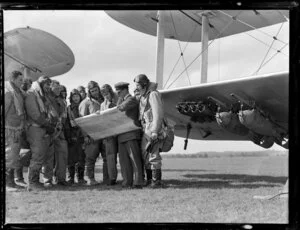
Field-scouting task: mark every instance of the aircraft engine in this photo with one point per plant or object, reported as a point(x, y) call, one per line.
point(230, 121)
point(198, 111)
point(256, 122)
point(264, 131)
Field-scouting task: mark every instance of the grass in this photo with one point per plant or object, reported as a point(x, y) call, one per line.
point(205, 190)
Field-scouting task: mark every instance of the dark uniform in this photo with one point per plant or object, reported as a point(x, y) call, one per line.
point(128, 144)
point(76, 157)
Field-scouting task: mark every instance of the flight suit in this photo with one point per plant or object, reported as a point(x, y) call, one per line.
point(76, 157)
point(111, 146)
point(93, 149)
point(39, 115)
point(14, 126)
point(60, 143)
point(151, 117)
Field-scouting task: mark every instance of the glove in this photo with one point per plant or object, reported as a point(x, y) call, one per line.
point(25, 157)
point(153, 136)
point(87, 140)
point(72, 140)
point(49, 129)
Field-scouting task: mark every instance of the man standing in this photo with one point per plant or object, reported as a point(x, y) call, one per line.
point(41, 125)
point(79, 170)
point(19, 178)
point(90, 105)
point(14, 126)
point(110, 143)
point(151, 116)
point(75, 140)
point(59, 141)
point(129, 149)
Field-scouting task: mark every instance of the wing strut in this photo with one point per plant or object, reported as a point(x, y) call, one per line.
point(160, 48)
point(204, 42)
point(188, 130)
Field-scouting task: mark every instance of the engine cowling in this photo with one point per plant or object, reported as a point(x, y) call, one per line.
point(230, 121)
point(198, 111)
point(254, 121)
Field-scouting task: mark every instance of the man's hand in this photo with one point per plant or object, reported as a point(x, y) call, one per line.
point(153, 136)
point(72, 140)
point(49, 129)
point(87, 140)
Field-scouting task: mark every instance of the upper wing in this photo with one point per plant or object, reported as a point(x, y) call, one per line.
point(41, 52)
point(270, 93)
point(183, 25)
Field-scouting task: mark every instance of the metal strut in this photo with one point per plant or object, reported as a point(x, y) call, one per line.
point(188, 130)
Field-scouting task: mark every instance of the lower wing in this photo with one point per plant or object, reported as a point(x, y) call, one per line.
point(253, 108)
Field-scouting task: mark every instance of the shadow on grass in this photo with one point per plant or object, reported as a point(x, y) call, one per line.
point(234, 181)
point(99, 187)
point(187, 170)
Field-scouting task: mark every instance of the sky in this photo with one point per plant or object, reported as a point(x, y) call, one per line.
point(108, 52)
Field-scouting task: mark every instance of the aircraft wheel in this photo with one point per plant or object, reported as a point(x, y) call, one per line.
point(263, 141)
point(284, 142)
point(267, 142)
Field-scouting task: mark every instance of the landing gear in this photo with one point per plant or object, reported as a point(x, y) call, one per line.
point(263, 141)
point(284, 141)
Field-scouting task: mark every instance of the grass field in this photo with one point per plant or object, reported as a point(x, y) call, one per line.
point(205, 190)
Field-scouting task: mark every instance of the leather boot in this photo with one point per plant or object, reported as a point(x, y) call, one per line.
point(71, 174)
point(33, 180)
point(91, 177)
point(156, 179)
point(10, 180)
point(105, 173)
point(149, 177)
point(19, 176)
point(80, 175)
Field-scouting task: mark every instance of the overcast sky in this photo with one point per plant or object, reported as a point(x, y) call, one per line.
point(107, 52)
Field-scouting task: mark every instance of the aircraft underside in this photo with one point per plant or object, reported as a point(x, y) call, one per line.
point(241, 118)
point(254, 109)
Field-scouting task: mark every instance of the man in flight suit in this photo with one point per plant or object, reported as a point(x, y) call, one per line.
point(60, 143)
point(41, 126)
point(151, 115)
point(110, 143)
point(14, 126)
point(93, 148)
point(19, 178)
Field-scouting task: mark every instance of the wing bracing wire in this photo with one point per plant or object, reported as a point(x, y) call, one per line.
point(233, 18)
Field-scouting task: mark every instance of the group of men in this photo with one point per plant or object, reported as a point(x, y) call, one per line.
point(37, 116)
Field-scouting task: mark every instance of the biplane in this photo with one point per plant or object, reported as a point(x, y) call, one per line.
point(252, 108)
point(36, 52)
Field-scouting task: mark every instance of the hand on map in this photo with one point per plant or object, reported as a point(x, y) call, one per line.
point(153, 136)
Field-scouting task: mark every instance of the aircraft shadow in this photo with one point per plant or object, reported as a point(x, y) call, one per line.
point(99, 170)
point(230, 181)
point(187, 170)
